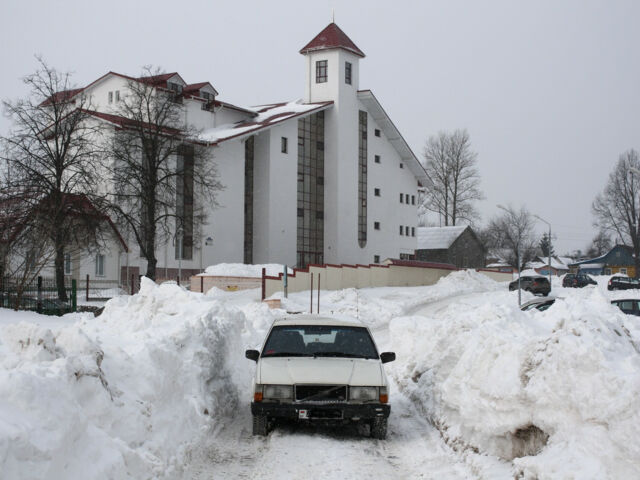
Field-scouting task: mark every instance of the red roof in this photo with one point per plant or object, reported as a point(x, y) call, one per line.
point(63, 96)
point(332, 37)
point(157, 80)
point(124, 122)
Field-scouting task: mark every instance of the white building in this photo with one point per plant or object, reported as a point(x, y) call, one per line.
point(326, 179)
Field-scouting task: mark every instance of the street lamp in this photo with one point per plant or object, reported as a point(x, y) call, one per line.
point(548, 246)
point(518, 257)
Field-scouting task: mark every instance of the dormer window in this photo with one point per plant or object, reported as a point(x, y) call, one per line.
point(321, 71)
point(174, 87)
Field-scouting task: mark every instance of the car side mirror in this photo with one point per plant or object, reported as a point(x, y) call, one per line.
point(386, 357)
point(252, 355)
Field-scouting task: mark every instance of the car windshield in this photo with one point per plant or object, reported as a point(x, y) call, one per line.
point(319, 341)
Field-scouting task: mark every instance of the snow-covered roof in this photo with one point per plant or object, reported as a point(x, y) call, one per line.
point(544, 261)
point(436, 238)
point(267, 116)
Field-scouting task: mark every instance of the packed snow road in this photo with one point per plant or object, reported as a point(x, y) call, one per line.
point(413, 449)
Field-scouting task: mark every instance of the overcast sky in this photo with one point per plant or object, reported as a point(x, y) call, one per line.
point(548, 90)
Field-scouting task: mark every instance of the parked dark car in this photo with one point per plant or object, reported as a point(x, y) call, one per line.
point(540, 304)
point(577, 280)
point(535, 285)
point(628, 306)
point(623, 283)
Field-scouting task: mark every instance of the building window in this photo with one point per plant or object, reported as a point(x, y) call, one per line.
point(362, 179)
point(376, 192)
point(406, 198)
point(413, 231)
point(401, 165)
point(99, 265)
point(377, 132)
point(376, 259)
point(607, 271)
point(623, 271)
point(376, 225)
point(67, 264)
point(110, 97)
point(401, 230)
point(184, 202)
point(376, 158)
point(310, 191)
point(402, 198)
point(413, 199)
point(117, 95)
point(406, 230)
point(249, 148)
point(283, 145)
point(347, 73)
point(321, 71)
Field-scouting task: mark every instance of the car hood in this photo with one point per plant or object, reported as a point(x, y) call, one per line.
point(320, 370)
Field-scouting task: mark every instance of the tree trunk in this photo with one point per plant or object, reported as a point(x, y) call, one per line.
point(59, 272)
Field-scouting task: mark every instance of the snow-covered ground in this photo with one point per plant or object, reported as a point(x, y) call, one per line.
point(158, 387)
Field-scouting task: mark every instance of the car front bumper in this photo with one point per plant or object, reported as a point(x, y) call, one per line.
point(322, 412)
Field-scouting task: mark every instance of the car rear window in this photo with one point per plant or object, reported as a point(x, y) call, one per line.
point(319, 340)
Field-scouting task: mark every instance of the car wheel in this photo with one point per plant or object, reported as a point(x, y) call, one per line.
point(260, 425)
point(379, 428)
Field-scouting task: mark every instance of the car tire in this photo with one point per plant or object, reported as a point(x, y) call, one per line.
point(260, 425)
point(379, 428)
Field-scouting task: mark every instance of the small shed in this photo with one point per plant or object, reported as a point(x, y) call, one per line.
point(618, 260)
point(457, 245)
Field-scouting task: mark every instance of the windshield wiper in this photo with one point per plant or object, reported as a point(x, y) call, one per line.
point(337, 354)
point(285, 354)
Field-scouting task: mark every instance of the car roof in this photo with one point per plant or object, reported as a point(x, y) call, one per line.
point(309, 319)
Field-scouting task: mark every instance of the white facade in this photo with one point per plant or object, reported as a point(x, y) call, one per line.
point(392, 170)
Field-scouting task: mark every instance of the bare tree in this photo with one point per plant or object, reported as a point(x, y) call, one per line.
point(454, 178)
point(617, 208)
point(162, 176)
point(51, 157)
point(600, 245)
point(513, 232)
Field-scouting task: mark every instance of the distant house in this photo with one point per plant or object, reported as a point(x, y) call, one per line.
point(541, 265)
point(618, 260)
point(457, 245)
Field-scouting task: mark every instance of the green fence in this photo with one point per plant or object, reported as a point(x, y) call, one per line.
point(39, 295)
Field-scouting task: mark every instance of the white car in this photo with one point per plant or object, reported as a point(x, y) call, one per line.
point(319, 369)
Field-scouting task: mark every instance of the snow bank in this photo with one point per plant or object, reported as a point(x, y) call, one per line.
point(243, 270)
point(377, 306)
point(124, 395)
point(557, 392)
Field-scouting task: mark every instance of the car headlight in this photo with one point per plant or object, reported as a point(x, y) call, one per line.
point(280, 392)
point(363, 394)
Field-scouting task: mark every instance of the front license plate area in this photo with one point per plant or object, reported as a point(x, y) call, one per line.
point(326, 414)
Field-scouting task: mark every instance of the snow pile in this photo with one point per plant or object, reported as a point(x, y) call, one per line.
point(124, 395)
point(557, 392)
point(244, 270)
point(377, 306)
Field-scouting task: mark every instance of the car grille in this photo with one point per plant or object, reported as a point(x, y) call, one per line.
point(321, 393)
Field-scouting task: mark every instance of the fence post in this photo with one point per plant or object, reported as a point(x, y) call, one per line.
point(318, 309)
point(178, 278)
point(39, 301)
point(311, 292)
point(264, 287)
point(74, 293)
point(286, 282)
point(131, 284)
point(87, 286)
point(201, 284)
